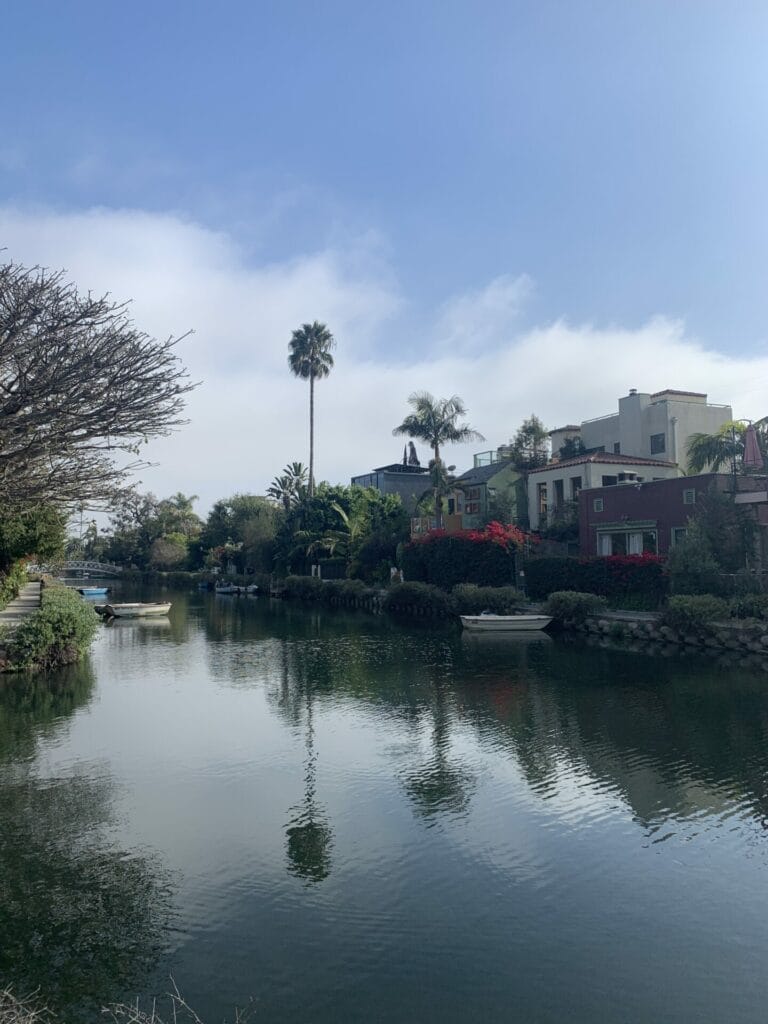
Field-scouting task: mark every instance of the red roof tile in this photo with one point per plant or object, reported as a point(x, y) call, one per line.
point(606, 457)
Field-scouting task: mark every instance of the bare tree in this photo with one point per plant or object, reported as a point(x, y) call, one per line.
point(80, 389)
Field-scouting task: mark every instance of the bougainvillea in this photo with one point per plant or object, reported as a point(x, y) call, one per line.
point(485, 557)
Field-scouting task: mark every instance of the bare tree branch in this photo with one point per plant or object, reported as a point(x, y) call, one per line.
point(79, 385)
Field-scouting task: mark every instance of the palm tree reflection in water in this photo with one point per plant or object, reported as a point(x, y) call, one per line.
point(310, 838)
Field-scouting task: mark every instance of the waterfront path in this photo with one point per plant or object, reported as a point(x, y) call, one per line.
point(20, 608)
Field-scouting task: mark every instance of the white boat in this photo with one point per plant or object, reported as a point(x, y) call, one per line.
point(93, 591)
point(134, 610)
point(227, 588)
point(489, 623)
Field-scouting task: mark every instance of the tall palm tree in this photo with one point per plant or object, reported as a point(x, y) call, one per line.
point(435, 421)
point(310, 358)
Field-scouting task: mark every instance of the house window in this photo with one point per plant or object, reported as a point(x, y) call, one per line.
point(541, 491)
point(559, 493)
point(617, 448)
point(658, 444)
point(678, 532)
point(633, 542)
point(575, 487)
point(689, 496)
point(597, 504)
point(472, 508)
point(610, 481)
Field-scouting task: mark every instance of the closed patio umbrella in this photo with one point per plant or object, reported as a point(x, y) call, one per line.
point(752, 457)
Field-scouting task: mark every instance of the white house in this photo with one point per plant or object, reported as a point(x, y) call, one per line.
point(654, 425)
point(553, 485)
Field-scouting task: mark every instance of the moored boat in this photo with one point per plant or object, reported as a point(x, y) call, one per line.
point(93, 591)
point(133, 610)
point(487, 622)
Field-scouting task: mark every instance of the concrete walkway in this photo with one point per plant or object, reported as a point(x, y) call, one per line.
point(20, 608)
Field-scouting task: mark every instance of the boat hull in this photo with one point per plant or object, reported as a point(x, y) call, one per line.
point(134, 611)
point(504, 623)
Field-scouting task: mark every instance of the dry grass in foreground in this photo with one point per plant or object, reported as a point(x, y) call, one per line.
point(172, 1008)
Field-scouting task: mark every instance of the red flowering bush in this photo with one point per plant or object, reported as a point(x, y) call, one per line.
point(485, 557)
point(616, 577)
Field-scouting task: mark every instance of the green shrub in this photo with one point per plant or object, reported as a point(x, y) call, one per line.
point(692, 612)
point(692, 567)
point(616, 577)
point(573, 605)
point(749, 606)
point(59, 633)
point(469, 599)
point(445, 560)
point(417, 599)
point(303, 588)
point(12, 582)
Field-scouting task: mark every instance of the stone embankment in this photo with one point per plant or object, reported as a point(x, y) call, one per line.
point(742, 637)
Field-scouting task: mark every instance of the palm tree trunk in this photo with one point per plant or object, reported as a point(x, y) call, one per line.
point(311, 435)
point(438, 500)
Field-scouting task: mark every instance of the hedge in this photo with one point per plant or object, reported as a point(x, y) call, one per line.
point(445, 560)
point(417, 599)
point(691, 613)
point(469, 599)
point(572, 606)
point(613, 577)
point(58, 634)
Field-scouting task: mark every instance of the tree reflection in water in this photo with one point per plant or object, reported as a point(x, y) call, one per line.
point(309, 837)
point(80, 920)
point(442, 785)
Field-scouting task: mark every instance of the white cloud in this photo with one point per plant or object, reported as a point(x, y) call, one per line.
point(250, 415)
point(475, 319)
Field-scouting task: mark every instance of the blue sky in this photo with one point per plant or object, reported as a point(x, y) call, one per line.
point(604, 160)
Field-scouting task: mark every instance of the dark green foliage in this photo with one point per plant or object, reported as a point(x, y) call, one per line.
point(691, 613)
point(571, 448)
point(11, 583)
point(749, 606)
point(375, 556)
point(39, 532)
point(303, 588)
point(448, 560)
point(58, 634)
point(616, 577)
point(349, 593)
point(726, 528)
point(469, 599)
point(573, 606)
point(417, 599)
point(692, 567)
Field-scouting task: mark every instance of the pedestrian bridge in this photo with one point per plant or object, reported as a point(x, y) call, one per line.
point(78, 567)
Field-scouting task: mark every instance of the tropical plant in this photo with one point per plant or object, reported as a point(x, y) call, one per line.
point(310, 358)
point(290, 487)
point(725, 448)
point(435, 421)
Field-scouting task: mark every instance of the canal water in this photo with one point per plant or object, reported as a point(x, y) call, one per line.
point(337, 818)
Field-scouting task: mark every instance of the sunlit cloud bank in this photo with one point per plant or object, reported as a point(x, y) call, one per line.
point(249, 416)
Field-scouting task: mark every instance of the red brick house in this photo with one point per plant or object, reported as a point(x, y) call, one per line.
point(652, 516)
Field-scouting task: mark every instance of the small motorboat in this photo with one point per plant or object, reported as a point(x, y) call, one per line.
point(133, 610)
point(93, 591)
point(227, 588)
point(490, 623)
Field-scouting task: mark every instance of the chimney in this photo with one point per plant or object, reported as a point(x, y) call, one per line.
point(633, 391)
